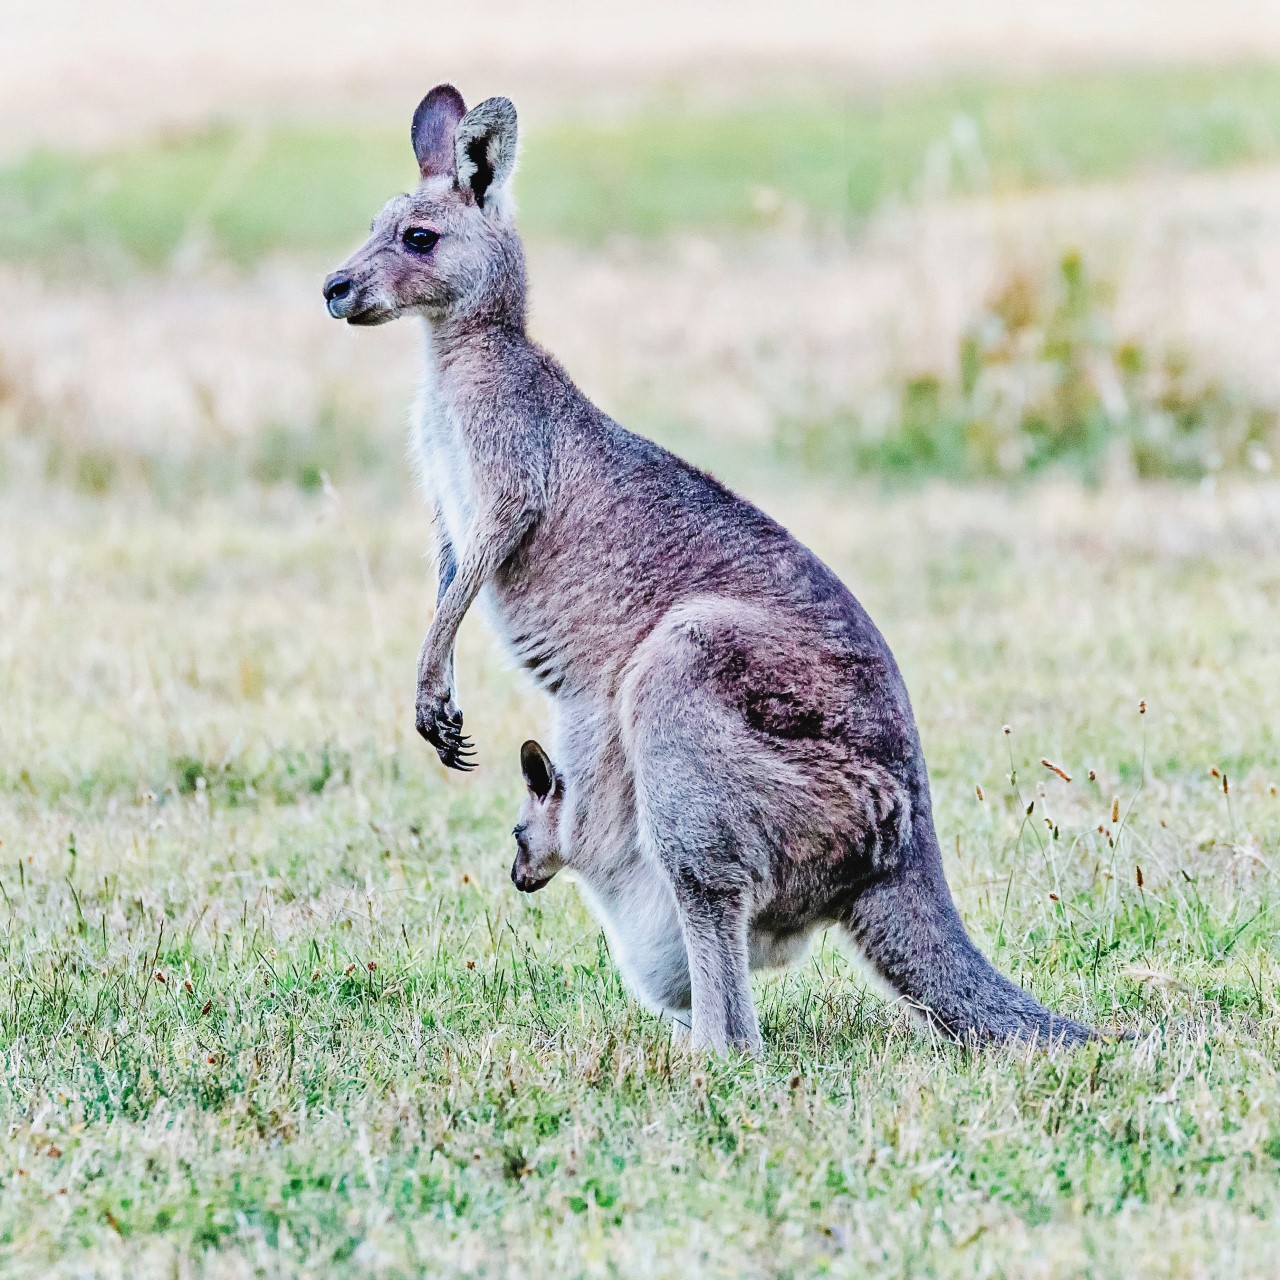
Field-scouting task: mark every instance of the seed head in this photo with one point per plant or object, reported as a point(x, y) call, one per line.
point(1115, 809)
point(1055, 768)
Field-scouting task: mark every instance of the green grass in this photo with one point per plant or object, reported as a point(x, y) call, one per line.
point(389, 1061)
point(247, 192)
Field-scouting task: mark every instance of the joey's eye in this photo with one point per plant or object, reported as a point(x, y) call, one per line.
point(420, 240)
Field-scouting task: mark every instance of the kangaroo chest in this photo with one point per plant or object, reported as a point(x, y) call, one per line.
point(547, 623)
point(447, 479)
point(443, 464)
point(446, 472)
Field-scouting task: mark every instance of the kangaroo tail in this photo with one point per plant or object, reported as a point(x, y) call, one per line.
point(907, 926)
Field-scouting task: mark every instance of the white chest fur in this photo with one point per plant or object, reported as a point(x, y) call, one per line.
point(444, 468)
point(446, 477)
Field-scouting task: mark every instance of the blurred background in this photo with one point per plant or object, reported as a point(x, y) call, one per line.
point(975, 242)
point(981, 300)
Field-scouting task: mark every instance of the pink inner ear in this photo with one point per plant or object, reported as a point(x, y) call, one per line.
point(434, 124)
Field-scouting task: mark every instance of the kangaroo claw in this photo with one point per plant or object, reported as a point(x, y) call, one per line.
point(440, 723)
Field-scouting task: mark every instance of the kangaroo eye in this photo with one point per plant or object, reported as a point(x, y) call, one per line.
point(420, 240)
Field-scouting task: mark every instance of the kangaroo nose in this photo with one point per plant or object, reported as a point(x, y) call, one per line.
point(336, 286)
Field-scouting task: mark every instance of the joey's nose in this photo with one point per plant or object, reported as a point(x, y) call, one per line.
point(524, 881)
point(336, 287)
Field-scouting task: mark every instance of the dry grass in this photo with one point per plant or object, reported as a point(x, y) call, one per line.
point(209, 773)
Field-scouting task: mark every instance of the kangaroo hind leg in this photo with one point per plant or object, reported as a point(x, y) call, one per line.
point(714, 906)
point(691, 764)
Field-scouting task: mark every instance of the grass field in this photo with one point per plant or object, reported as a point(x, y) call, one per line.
point(269, 1004)
point(268, 989)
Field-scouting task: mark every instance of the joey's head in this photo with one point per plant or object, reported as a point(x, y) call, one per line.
point(537, 832)
point(449, 249)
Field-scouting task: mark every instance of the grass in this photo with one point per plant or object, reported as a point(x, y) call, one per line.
point(1042, 382)
point(241, 192)
point(271, 1006)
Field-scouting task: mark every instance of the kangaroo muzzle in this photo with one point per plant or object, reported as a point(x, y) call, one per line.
point(525, 880)
point(339, 294)
point(348, 296)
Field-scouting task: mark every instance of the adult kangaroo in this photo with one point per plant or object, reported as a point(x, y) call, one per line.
point(737, 764)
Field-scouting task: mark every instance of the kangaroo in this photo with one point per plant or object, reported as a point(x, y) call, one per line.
point(737, 762)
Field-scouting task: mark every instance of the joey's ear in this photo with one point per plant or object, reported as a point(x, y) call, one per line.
point(434, 124)
point(485, 148)
point(539, 773)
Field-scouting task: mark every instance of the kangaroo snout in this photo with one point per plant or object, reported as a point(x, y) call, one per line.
point(351, 296)
point(338, 289)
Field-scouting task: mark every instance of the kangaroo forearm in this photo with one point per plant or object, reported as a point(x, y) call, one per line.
point(482, 559)
point(437, 649)
point(447, 567)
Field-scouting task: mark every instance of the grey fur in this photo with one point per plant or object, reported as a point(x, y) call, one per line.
point(485, 147)
point(738, 764)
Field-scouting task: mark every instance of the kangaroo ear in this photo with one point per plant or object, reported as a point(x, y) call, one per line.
point(485, 148)
point(539, 773)
point(434, 124)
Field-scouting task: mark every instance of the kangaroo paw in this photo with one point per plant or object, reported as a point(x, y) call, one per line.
point(440, 722)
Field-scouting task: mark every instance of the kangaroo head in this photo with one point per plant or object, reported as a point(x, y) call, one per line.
point(537, 831)
point(449, 248)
